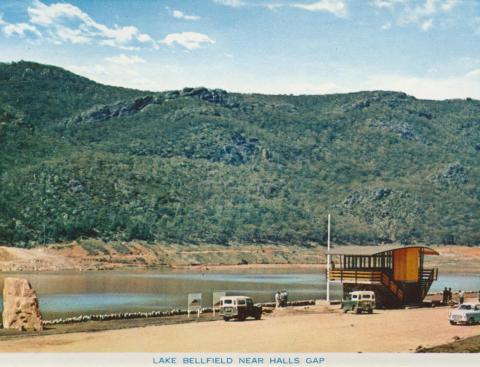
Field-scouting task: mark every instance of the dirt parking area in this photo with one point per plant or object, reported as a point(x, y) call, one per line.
point(309, 329)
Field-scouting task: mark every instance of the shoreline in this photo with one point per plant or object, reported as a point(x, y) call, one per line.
point(224, 267)
point(99, 256)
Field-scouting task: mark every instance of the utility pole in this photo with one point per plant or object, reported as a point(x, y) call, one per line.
point(328, 260)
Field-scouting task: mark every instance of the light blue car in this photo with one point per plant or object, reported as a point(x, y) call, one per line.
point(466, 313)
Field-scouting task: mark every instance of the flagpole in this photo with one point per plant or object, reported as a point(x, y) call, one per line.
point(328, 260)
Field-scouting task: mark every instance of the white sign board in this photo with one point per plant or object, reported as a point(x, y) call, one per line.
point(194, 303)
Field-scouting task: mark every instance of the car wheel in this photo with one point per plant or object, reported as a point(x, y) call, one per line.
point(370, 310)
point(225, 318)
point(345, 310)
point(452, 322)
point(471, 321)
point(358, 310)
point(258, 316)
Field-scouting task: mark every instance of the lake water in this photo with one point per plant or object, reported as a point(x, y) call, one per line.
point(73, 293)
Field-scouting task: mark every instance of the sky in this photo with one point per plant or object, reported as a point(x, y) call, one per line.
point(427, 48)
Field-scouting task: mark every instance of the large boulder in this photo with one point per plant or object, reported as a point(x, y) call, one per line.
point(20, 306)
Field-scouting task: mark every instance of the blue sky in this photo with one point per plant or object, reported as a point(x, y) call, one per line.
point(426, 48)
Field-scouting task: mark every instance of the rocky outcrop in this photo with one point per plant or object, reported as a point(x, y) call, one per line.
point(239, 150)
point(121, 109)
point(128, 108)
point(217, 96)
point(20, 306)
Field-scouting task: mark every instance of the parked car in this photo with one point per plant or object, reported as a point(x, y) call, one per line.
point(359, 301)
point(239, 307)
point(466, 313)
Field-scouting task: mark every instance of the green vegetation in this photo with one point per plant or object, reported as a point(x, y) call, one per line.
point(83, 160)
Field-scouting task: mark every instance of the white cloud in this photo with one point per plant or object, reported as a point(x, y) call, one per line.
point(64, 22)
point(231, 3)
point(45, 15)
point(417, 13)
point(74, 36)
point(421, 13)
point(143, 37)
point(125, 60)
point(20, 29)
point(336, 7)
point(474, 74)
point(189, 40)
point(449, 5)
point(273, 6)
point(426, 25)
point(387, 4)
point(181, 15)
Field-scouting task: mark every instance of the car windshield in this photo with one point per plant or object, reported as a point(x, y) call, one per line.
point(241, 301)
point(465, 307)
point(227, 301)
point(366, 296)
point(249, 302)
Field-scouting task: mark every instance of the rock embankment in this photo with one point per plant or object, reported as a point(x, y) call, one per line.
point(114, 316)
point(139, 315)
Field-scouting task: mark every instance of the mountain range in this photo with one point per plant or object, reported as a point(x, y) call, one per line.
point(83, 160)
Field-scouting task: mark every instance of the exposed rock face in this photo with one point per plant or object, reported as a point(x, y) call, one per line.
point(128, 108)
point(239, 150)
point(20, 306)
point(210, 95)
point(102, 113)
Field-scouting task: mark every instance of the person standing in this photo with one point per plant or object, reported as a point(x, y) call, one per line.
point(450, 295)
point(283, 298)
point(461, 296)
point(277, 299)
point(445, 296)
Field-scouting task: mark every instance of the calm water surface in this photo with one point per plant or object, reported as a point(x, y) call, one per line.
point(72, 293)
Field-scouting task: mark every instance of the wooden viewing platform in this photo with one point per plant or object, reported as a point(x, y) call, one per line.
point(395, 273)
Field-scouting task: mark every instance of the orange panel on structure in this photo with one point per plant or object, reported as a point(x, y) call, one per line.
point(405, 264)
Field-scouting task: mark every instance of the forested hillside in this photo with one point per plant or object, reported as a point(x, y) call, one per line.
point(83, 160)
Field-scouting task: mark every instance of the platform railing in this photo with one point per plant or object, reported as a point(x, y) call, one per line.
point(355, 276)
